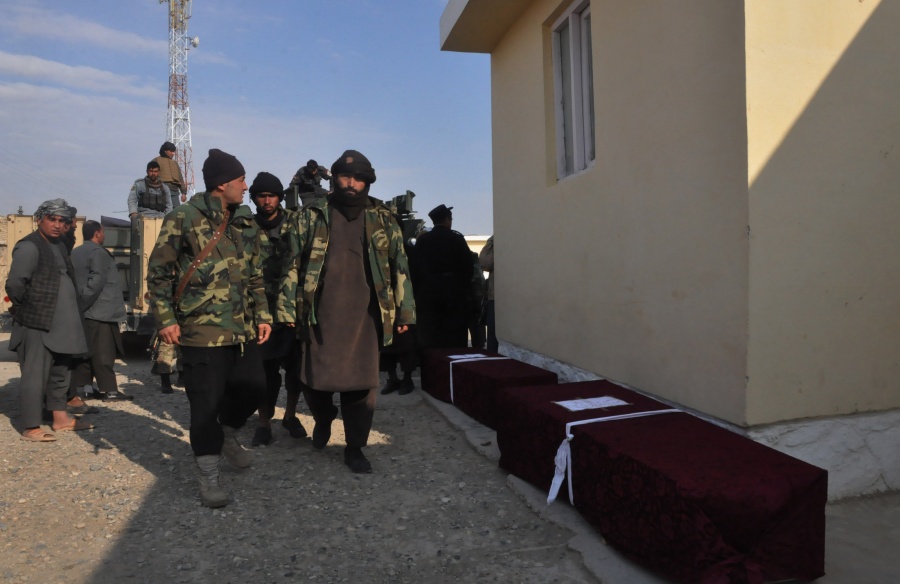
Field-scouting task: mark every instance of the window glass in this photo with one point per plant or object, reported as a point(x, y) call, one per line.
point(574, 89)
point(565, 58)
point(589, 86)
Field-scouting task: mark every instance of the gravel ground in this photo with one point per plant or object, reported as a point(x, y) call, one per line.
point(119, 503)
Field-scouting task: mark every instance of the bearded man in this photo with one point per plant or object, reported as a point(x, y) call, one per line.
point(149, 196)
point(347, 290)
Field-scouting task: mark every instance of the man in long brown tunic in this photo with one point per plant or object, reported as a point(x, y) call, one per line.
point(349, 282)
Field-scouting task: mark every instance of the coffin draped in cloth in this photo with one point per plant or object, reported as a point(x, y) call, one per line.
point(436, 369)
point(675, 493)
point(476, 383)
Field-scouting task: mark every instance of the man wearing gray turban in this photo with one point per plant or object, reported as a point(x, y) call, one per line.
point(47, 326)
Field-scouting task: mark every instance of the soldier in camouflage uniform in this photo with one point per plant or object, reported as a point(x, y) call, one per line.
point(347, 289)
point(219, 319)
point(308, 180)
point(282, 350)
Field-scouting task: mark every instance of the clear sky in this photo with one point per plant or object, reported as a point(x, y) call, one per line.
point(83, 97)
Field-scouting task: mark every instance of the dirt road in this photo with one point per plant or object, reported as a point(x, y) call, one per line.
point(119, 503)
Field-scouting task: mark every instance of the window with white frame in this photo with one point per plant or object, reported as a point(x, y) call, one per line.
point(573, 89)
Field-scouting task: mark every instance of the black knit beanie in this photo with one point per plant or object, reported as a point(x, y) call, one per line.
point(166, 146)
point(266, 182)
point(355, 163)
point(220, 168)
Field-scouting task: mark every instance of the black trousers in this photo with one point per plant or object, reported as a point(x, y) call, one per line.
point(492, 344)
point(224, 386)
point(442, 318)
point(272, 367)
point(357, 411)
point(105, 342)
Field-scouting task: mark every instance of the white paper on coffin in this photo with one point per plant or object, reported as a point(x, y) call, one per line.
point(591, 403)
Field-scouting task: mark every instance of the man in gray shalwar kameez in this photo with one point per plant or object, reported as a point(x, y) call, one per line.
point(47, 324)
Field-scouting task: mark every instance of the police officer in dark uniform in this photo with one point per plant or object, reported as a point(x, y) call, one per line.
point(442, 272)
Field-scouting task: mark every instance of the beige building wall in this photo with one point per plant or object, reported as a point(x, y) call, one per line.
point(734, 246)
point(823, 102)
point(635, 269)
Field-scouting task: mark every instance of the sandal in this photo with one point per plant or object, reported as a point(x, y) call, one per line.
point(38, 437)
point(74, 425)
point(294, 427)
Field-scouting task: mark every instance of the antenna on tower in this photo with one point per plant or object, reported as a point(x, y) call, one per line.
point(178, 118)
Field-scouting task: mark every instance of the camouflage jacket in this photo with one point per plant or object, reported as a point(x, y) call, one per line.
point(224, 298)
point(273, 254)
point(308, 233)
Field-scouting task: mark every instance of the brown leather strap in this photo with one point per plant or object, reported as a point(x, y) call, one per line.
point(202, 255)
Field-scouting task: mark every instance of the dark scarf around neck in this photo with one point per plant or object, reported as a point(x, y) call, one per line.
point(269, 224)
point(349, 207)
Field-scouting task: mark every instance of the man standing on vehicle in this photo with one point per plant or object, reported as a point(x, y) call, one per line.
point(347, 288)
point(308, 182)
point(149, 196)
point(207, 295)
point(170, 173)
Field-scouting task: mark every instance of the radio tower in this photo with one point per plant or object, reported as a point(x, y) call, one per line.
point(178, 119)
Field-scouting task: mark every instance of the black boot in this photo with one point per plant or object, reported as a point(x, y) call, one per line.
point(321, 434)
point(323, 410)
point(392, 385)
point(357, 418)
point(262, 437)
point(356, 460)
point(406, 386)
point(165, 384)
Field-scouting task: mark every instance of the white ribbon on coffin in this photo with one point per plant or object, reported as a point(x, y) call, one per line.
point(564, 452)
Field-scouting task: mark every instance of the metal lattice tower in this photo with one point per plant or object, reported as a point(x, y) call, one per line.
point(178, 119)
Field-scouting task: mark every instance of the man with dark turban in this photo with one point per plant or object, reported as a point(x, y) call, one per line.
point(47, 324)
point(346, 288)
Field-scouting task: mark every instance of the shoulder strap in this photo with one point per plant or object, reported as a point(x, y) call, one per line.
point(202, 255)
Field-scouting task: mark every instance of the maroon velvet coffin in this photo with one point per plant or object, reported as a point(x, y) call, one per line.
point(476, 385)
point(472, 384)
point(677, 494)
point(436, 370)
